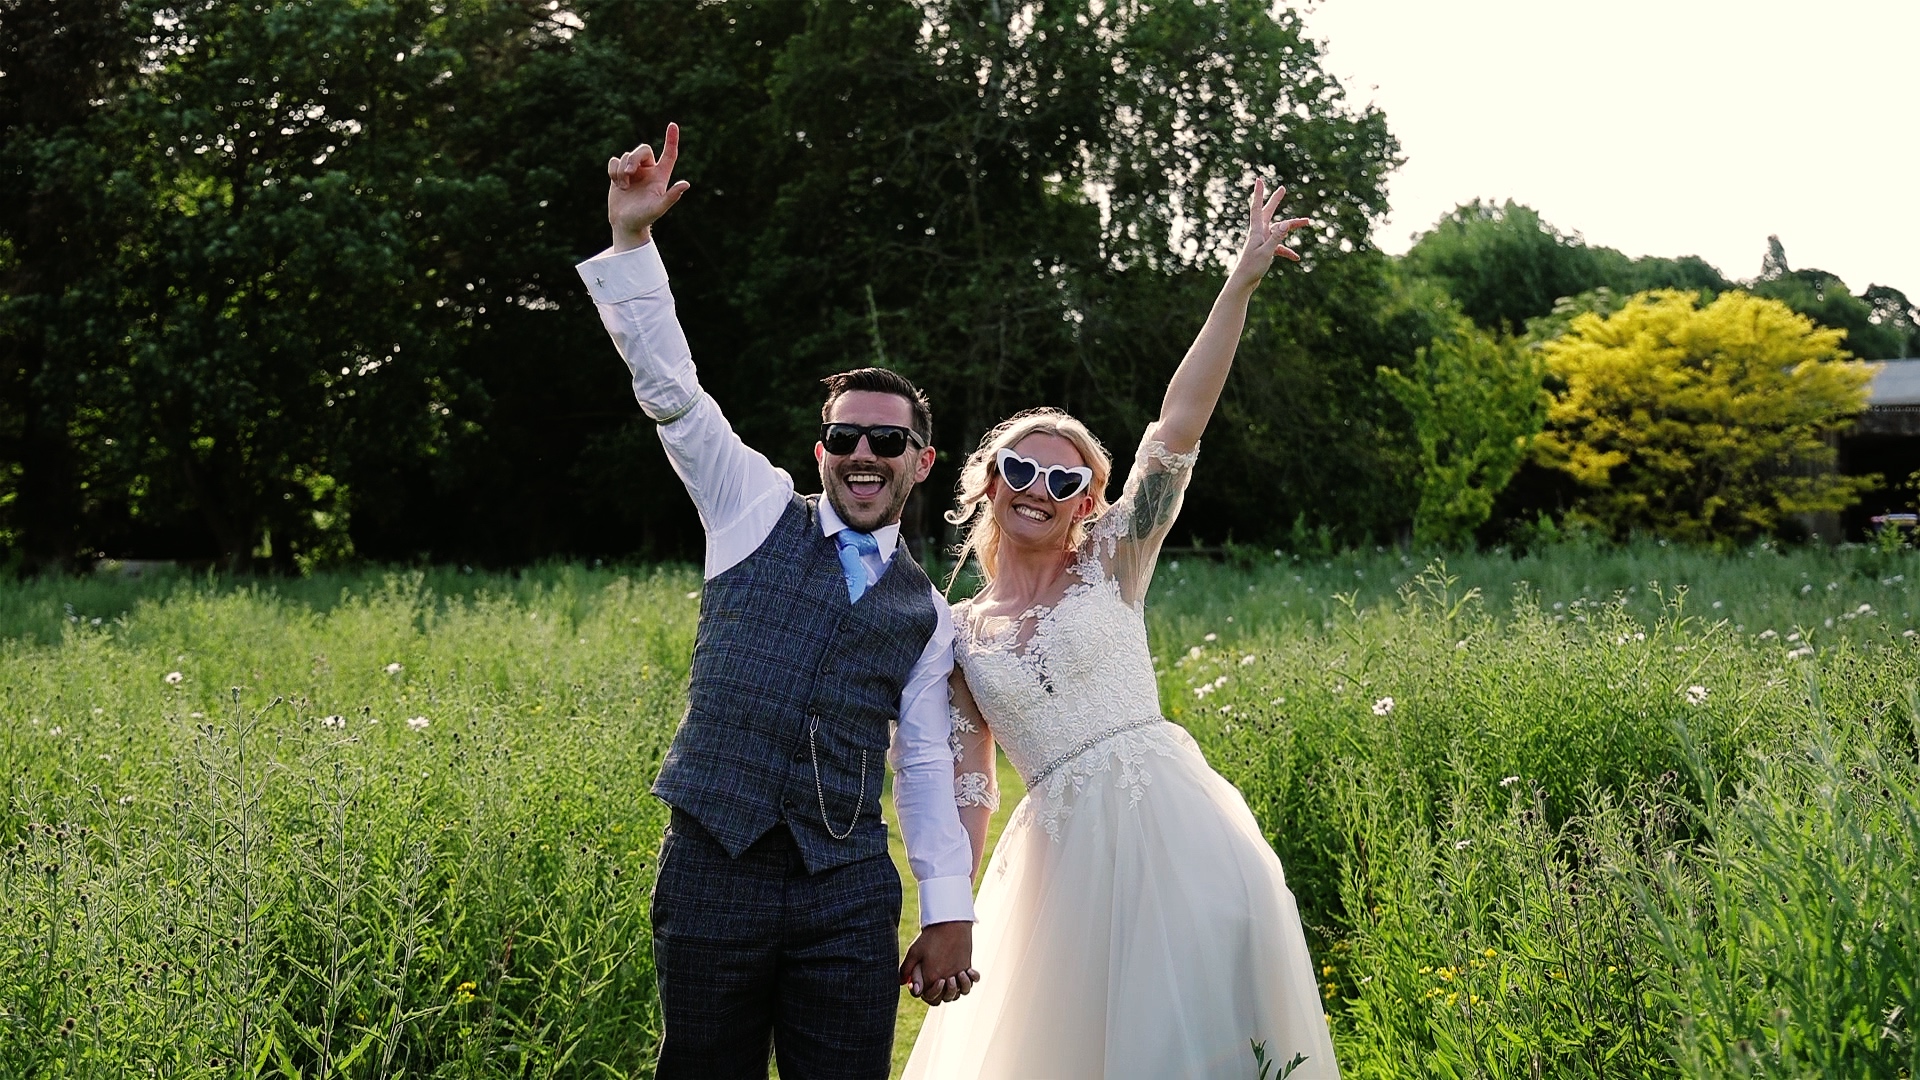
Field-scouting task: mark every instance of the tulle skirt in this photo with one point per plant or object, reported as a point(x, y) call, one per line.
point(1133, 922)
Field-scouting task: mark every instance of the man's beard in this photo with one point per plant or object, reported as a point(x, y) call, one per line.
point(900, 486)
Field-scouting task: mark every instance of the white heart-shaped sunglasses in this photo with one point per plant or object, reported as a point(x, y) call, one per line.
point(1061, 482)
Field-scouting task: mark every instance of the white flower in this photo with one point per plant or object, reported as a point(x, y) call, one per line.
point(334, 721)
point(1219, 682)
point(1509, 781)
point(1459, 844)
point(1805, 589)
point(1211, 637)
point(1383, 706)
point(1278, 701)
point(694, 595)
point(1460, 645)
point(394, 668)
point(1696, 695)
point(1247, 659)
point(1639, 636)
point(125, 799)
point(1793, 637)
point(196, 716)
point(1202, 690)
point(1193, 653)
point(1907, 633)
point(1804, 650)
point(173, 678)
point(1225, 709)
point(1768, 635)
point(55, 730)
point(417, 723)
point(1716, 605)
point(1864, 609)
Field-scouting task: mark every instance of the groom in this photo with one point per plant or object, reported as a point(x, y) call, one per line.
point(776, 911)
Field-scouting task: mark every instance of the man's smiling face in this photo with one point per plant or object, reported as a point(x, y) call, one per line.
point(866, 490)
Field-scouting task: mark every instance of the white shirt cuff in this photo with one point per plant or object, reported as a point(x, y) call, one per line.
point(615, 277)
point(946, 899)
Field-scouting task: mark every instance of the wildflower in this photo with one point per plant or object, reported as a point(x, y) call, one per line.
point(1459, 645)
point(1211, 637)
point(1802, 651)
point(1864, 609)
point(1793, 637)
point(334, 721)
point(1907, 633)
point(1193, 653)
point(1509, 781)
point(1224, 709)
point(1717, 605)
point(55, 730)
point(417, 723)
point(173, 678)
point(1247, 659)
point(125, 800)
point(1696, 695)
point(1489, 953)
point(196, 716)
point(1383, 706)
point(394, 668)
point(1768, 635)
point(694, 595)
point(1457, 846)
point(1639, 636)
point(1805, 589)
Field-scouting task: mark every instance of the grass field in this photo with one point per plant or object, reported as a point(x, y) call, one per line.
point(1598, 813)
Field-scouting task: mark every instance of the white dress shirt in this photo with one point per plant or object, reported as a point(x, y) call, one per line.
point(740, 496)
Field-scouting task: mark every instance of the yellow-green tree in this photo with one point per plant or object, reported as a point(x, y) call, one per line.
point(1705, 424)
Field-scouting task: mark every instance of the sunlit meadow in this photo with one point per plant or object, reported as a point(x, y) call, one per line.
point(1634, 812)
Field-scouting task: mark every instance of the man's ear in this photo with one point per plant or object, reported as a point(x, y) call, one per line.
point(925, 465)
point(819, 453)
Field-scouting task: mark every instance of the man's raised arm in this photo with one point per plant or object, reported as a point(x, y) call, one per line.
point(737, 491)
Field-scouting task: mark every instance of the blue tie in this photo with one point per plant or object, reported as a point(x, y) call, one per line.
point(852, 546)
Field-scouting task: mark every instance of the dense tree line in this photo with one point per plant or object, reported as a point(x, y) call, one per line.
point(283, 283)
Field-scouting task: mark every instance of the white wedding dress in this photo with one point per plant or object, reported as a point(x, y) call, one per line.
point(1133, 921)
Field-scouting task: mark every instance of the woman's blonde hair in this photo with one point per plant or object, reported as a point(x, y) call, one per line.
point(983, 536)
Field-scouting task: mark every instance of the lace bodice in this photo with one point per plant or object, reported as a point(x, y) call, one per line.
point(1063, 678)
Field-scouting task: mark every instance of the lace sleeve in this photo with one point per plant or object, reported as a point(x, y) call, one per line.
point(1126, 540)
point(976, 780)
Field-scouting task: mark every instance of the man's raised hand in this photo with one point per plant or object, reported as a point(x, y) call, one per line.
point(641, 189)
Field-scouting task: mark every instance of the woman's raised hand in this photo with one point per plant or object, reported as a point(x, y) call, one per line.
point(1266, 236)
point(641, 189)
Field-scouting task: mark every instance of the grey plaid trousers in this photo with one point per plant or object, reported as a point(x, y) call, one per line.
point(755, 953)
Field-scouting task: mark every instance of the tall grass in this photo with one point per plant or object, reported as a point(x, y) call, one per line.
point(1558, 816)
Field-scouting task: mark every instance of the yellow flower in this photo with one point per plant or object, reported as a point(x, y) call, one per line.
point(1489, 954)
point(1327, 970)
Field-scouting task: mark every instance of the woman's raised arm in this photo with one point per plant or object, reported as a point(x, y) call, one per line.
point(1195, 387)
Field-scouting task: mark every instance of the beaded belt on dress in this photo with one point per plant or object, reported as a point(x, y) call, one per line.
point(1088, 744)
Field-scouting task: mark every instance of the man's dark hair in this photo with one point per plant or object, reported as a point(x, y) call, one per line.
point(880, 380)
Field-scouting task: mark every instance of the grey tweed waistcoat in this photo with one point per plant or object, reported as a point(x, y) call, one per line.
point(789, 677)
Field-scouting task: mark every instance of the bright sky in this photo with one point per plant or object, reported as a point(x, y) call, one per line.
point(1659, 127)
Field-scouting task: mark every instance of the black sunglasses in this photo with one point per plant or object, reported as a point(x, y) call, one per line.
point(885, 440)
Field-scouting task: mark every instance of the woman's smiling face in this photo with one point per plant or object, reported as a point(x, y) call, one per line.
point(1030, 518)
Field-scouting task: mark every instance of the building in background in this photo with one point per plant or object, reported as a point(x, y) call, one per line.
point(1885, 440)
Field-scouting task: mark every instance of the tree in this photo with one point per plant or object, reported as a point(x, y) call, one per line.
point(1879, 324)
point(1505, 265)
point(1476, 403)
point(1703, 424)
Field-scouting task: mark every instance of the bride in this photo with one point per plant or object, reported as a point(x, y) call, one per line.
point(1133, 921)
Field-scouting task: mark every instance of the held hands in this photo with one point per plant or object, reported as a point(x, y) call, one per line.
point(937, 965)
point(641, 189)
point(1266, 237)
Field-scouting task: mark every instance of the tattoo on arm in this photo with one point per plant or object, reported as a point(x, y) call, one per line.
point(1153, 504)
